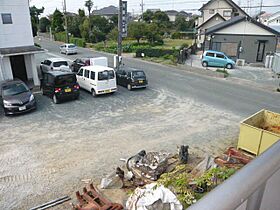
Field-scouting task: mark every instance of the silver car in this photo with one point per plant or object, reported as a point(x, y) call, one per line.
point(68, 49)
point(54, 64)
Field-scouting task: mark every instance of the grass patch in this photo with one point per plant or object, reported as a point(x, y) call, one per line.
point(131, 46)
point(224, 71)
point(178, 181)
point(161, 60)
point(177, 43)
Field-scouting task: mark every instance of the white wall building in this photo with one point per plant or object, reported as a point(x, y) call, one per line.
point(16, 42)
point(215, 12)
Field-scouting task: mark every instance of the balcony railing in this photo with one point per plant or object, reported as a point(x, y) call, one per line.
point(255, 187)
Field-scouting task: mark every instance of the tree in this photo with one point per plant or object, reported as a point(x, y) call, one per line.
point(84, 29)
point(89, 5)
point(137, 30)
point(148, 16)
point(153, 33)
point(57, 21)
point(44, 24)
point(113, 35)
point(73, 25)
point(35, 13)
point(114, 21)
point(180, 23)
point(100, 23)
point(81, 13)
point(160, 17)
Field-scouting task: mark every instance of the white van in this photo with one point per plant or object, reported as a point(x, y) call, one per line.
point(97, 79)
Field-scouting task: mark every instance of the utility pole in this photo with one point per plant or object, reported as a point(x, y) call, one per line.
point(142, 9)
point(66, 24)
point(261, 6)
point(120, 25)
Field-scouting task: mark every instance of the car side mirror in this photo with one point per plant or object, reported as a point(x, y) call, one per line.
point(42, 62)
point(31, 88)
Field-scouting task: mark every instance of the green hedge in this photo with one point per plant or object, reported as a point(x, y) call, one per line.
point(61, 36)
point(78, 41)
point(154, 52)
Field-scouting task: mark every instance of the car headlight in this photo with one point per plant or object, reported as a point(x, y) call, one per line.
point(31, 97)
point(7, 103)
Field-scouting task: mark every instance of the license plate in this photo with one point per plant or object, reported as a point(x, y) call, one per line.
point(67, 90)
point(107, 91)
point(140, 81)
point(22, 108)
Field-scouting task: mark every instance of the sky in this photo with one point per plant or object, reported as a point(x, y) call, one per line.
point(134, 5)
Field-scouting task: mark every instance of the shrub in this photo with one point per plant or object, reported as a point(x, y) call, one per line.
point(78, 41)
point(176, 35)
point(60, 36)
point(153, 52)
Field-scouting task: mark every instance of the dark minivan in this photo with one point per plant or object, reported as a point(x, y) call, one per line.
point(132, 78)
point(60, 86)
point(16, 97)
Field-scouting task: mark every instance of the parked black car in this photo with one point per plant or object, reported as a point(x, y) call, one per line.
point(132, 79)
point(60, 86)
point(16, 97)
point(78, 63)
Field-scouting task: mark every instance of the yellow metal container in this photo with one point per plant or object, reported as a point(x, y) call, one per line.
point(259, 132)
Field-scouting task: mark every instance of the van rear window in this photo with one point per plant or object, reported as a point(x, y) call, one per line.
point(105, 75)
point(65, 80)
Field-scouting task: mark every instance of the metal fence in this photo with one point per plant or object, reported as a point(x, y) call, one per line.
point(254, 187)
point(276, 63)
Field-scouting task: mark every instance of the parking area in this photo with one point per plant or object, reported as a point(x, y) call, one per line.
point(256, 75)
point(46, 153)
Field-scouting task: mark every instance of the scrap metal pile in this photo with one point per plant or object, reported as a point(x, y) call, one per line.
point(160, 180)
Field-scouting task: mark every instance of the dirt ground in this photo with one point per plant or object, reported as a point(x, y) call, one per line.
point(45, 154)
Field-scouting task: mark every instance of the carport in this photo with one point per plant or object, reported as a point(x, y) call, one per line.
point(19, 62)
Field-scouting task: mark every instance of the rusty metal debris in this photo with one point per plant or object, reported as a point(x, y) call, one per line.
point(233, 158)
point(92, 200)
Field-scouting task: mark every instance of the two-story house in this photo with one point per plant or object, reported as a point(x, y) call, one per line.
point(172, 14)
point(215, 12)
point(17, 48)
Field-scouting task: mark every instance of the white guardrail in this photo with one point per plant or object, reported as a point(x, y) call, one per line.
point(255, 187)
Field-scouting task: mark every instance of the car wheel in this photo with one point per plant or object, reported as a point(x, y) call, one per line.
point(55, 100)
point(129, 87)
point(76, 97)
point(204, 64)
point(229, 66)
point(93, 93)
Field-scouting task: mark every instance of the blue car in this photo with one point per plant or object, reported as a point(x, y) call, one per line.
point(217, 59)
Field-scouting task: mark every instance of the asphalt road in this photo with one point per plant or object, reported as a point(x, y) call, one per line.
point(47, 153)
point(220, 93)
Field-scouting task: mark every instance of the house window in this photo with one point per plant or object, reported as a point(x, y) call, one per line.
point(227, 13)
point(6, 18)
point(211, 11)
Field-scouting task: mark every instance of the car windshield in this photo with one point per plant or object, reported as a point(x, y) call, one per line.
point(105, 75)
point(14, 89)
point(60, 63)
point(65, 80)
point(71, 46)
point(138, 74)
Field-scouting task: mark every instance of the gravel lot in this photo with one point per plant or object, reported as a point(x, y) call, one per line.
point(45, 154)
